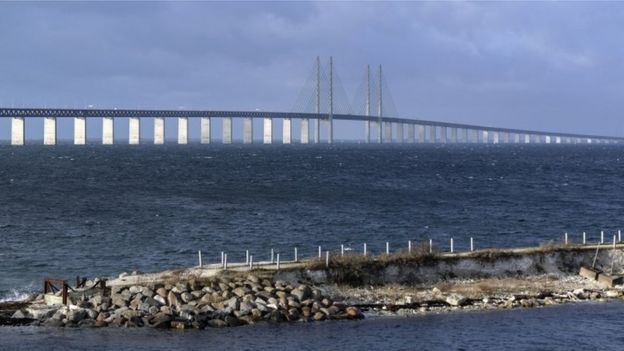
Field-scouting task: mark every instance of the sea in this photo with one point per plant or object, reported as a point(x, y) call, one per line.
point(94, 210)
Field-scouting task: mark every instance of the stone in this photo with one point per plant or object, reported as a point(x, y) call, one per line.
point(306, 311)
point(303, 292)
point(19, 314)
point(187, 297)
point(613, 293)
point(456, 300)
point(319, 316)
point(293, 314)
point(241, 291)
point(129, 314)
point(172, 298)
point(147, 292)
point(161, 300)
point(135, 289)
point(254, 279)
point(232, 321)
point(244, 308)
point(76, 315)
point(233, 303)
point(178, 324)
point(326, 302)
point(86, 323)
point(217, 323)
point(54, 323)
point(162, 292)
point(354, 312)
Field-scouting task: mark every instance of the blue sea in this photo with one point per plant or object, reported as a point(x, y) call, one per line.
point(101, 210)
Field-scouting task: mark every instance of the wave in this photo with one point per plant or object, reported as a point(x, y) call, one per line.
point(16, 294)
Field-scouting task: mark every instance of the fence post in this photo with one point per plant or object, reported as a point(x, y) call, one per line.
point(602, 236)
point(326, 259)
point(409, 246)
point(320, 255)
point(584, 238)
point(272, 256)
point(471, 244)
point(278, 262)
point(387, 248)
point(246, 256)
point(222, 253)
point(430, 245)
point(251, 262)
point(451, 245)
point(296, 255)
point(364, 249)
point(341, 250)
point(225, 261)
point(200, 258)
point(565, 240)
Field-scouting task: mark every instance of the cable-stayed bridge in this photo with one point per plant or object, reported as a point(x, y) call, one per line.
point(321, 102)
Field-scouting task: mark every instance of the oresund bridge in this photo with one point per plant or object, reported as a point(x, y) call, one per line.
point(378, 127)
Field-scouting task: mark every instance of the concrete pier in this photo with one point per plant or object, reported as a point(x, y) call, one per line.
point(18, 126)
point(227, 130)
point(159, 130)
point(267, 136)
point(305, 131)
point(108, 131)
point(411, 133)
point(432, 134)
point(387, 132)
point(454, 135)
point(183, 130)
point(527, 138)
point(558, 140)
point(465, 138)
point(495, 137)
point(421, 134)
point(204, 130)
point(247, 130)
point(134, 130)
point(443, 134)
point(317, 131)
point(399, 129)
point(516, 138)
point(286, 131)
point(547, 139)
point(485, 137)
point(80, 130)
point(49, 131)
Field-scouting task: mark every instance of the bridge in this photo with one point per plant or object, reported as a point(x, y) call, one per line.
point(377, 128)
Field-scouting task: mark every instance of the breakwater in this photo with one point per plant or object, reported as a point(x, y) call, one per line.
point(340, 288)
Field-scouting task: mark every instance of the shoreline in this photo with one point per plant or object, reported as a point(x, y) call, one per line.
point(341, 289)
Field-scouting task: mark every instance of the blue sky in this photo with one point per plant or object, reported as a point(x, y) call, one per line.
point(535, 65)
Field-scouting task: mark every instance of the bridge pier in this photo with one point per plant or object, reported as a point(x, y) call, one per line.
point(465, 137)
point(454, 135)
point(108, 131)
point(421, 133)
point(558, 140)
point(305, 131)
point(495, 137)
point(443, 132)
point(317, 131)
point(247, 130)
point(267, 136)
point(484, 137)
point(547, 139)
point(159, 130)
point(387, 132)
point(18, 131)
point(204, 130)
point(80, 130)
point(183, 130)
point(286, 131)
point(49, 131)
point(134, 130)
point(432, 134)
point(399, 128)
point(411, 133)
point(226, 131)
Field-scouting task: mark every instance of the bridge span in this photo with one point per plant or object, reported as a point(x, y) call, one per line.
point(375, 129)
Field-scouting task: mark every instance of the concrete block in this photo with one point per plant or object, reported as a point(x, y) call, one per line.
point(589, 273)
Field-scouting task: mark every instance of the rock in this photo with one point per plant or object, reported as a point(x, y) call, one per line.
point(252, 278)
point(306, 311)
point(162, 292)
point(76, 315)
point(19, 314)
point(100, 324)
point(354, 312)
point(612, 293)
point(276, 316)
point(54, 323)
point(129, 314)
point(186, 297)
point(326, 302)
point(161, 300)
point(456, 300)
point(86, 323)
point(319, 316)
point(293, 314)
point(197, 294)
point(244, 309)
point(135, 289)
point(232, 321)
point(147, 292)
point(256, 314)
point(172, 298)
point(233, 303)
point(241, 291)
point(303, 292)
point(217, 323)
point(91, 313)
point(120, 300)
point(178, 324)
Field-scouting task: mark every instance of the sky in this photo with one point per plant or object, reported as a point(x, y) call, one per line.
point(553, 66)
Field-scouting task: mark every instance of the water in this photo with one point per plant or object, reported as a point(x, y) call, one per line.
point(95, 210)
point(584, 326)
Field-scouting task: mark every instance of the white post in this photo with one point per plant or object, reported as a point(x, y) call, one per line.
point(471, 244)
point(409, 246)
point(296, 255)
point(320, 254)
point(341, 250)
point(200, 260)
point(272, 256)
point(584, 238)
point(326, 259)
point(430, 245)
point(364, 249)
point(222, 258)
point(278, 262)
point(619, 235)
point(602, 236)
point(614, 242)
point(225, 261)
point(566, 238)
point(251, 262)
point(387, 248)
point(451, 244)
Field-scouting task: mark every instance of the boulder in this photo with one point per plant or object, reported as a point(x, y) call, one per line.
point(241, 291)
point(162, 292)
point(354, 312)
point(76, 315)
point(217, 323)
point(456, 300)
point(147, 292)
point(19, 314)
point(173, 299)
point(187, 297)
point(86, 323)
point(303, 292)
point(319, 316)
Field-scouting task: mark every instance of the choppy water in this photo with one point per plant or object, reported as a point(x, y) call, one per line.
point(96, 210)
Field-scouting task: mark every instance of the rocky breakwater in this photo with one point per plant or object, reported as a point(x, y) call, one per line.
point(214, 302)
